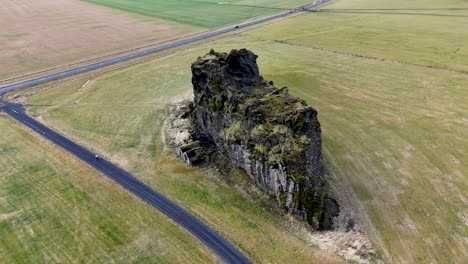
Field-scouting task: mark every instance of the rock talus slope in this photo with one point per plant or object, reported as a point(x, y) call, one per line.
point(273, 136)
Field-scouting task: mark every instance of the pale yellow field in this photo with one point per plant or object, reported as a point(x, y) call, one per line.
point(393, 132)
point(391, 94)
point(39, 35)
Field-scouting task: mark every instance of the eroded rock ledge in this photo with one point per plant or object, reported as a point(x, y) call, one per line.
point(273, 136)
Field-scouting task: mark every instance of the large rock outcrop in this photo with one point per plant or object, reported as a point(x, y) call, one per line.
point(273, 136)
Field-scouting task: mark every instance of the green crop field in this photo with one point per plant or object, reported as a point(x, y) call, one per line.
point(401, 4)
point(53, 208)
point(391, 92)
point(386, 37)
point(259, 3)
point(201, 13)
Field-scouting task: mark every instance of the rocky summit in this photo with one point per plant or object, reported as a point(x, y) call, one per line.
point(274, 136)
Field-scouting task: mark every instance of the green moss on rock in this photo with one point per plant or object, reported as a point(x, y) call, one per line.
point(234, 106)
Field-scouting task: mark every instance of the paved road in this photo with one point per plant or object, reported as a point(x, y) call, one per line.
point(220, 246)
point(102, 64)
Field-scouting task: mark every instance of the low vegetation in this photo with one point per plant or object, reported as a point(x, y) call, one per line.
point(43, 35)
point(201, 13)
point(430, 41)
point(126, 129)
point(53, 208)
point(391, 95)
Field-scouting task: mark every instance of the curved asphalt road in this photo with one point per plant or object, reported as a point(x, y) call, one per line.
point(220, 246)
point(102, 64)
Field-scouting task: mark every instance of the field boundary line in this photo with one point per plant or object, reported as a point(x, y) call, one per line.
point(369, 57)
point(390, 13)
point(184, 42)
point(135, 49)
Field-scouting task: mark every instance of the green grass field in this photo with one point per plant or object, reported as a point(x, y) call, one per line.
point(386, 37)
point(53, 208)
point(394, 133)
point(200, 13)
point(400, 4)
point(125, 127)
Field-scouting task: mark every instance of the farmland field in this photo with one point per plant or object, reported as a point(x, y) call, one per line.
point(129, 135)
point(201, 13)
point(391, 95)
point(43, 35)
point(53, 208)
point(38, 35)
point(382, 37)
point(400, 4)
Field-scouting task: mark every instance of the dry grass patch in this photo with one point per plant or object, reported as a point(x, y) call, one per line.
point(394, 133)
point(38, 35)
point(123, 123)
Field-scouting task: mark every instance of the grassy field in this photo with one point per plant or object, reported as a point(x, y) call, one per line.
point(53, 208)
point(201, 13)
point(52, 35)
point(125, 127)
point(38, 35)
point(262, 3)
point(394, 133)
point(400, 4)
point(382, 36)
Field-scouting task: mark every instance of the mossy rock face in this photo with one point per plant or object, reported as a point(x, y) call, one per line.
point(273, 135)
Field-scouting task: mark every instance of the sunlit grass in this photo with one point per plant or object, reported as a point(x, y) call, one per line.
point(394, 133)
point(201, 13)
point(54, 208)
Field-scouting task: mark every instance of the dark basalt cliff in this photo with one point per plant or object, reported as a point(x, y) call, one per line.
point(273, 136)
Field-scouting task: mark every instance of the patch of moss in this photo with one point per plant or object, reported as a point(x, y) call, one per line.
point(234, 131)
point(299, 178)
point(282, 199)
point(295, 198)
point(299, 121)
point(281, 130)
point(260, 131)
point(216, 103)
point(215, 86)
point(261, 149)
point(304, 140)
point(276, 149)
point(275, 159)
